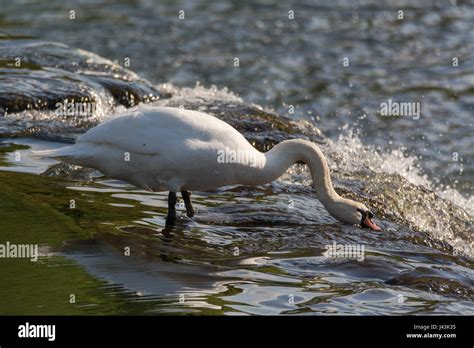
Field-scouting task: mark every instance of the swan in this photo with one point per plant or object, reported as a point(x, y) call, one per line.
point(172, 149)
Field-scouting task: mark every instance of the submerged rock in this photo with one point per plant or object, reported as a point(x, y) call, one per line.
point(37, 75)
point(55, 92)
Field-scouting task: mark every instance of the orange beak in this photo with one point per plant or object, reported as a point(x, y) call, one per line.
point(370, 224)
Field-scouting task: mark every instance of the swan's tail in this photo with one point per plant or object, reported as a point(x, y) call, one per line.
point(63, 153)
point(79, 154)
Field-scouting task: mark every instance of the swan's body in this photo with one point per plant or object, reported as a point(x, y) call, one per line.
point(169, 149)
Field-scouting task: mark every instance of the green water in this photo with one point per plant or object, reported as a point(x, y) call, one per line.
point(226, 261)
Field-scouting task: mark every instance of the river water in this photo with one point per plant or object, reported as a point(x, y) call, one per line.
point(274, 71)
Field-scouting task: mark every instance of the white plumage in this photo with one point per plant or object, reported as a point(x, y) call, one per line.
point(160, 149)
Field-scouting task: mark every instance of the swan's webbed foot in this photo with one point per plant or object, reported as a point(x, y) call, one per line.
point(171, 217)
point(190, 211)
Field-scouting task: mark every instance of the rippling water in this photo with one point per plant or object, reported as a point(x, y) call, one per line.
point(249, 250)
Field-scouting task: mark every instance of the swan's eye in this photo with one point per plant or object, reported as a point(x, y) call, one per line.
point(366, 213)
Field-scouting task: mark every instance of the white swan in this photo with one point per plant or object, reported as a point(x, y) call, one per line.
point(169, 149)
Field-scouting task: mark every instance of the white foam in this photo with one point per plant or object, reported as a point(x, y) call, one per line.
point(197, 95)
point(349, 154)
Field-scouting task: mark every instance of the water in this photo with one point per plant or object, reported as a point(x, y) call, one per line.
point(249, 250)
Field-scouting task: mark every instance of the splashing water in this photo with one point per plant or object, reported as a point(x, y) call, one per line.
point(445, 214)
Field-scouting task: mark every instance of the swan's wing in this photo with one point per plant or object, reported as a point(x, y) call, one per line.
point(169, 148)
point(155, 130)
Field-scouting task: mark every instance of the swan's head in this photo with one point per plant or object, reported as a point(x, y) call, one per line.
point(353, 213)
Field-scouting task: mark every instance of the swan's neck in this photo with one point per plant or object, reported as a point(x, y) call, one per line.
point(284, 154)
